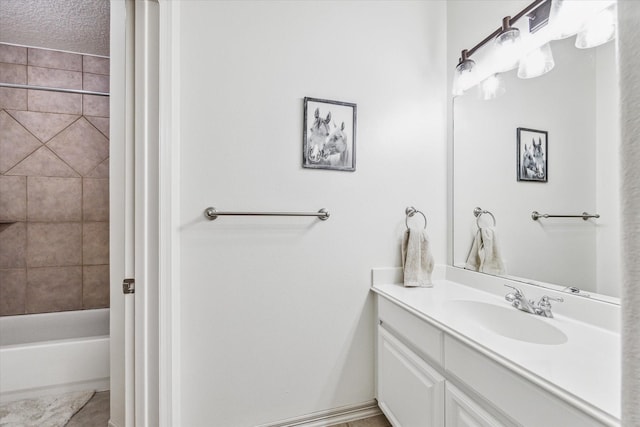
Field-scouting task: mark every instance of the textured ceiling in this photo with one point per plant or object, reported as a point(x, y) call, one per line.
point(73, 25)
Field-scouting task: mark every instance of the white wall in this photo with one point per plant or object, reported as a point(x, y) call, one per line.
point(277, 319)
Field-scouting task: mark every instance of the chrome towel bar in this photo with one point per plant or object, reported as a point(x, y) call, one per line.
point(585, 216)
point(478, 212)
point(53, 89)
point(411, 211)
point(211, 213)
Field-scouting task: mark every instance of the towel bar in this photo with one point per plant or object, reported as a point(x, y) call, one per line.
point(478, 212)
point(585, 216)
point(411, 211)
point(211, 214)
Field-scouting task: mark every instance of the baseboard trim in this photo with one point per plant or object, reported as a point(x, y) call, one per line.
point(110, 424)
point(332, 416)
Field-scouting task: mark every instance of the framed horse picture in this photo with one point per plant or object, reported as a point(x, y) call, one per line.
point(329, 135)
point(532, 155)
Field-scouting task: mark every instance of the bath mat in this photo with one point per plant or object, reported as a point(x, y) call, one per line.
point(48, 411)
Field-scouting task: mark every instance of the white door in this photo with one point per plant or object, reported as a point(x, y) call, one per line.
point(121, 189)
point(134, 213)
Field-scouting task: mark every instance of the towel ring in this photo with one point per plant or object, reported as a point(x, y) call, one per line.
point(411, 211)
point(478, 212)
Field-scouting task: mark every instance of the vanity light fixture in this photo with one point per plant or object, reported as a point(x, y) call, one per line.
point(464, 76)
point(599, 30)
point(593, 20)
point(505, 36)
point(569, 17)
point(536, 63)
point(508, 45)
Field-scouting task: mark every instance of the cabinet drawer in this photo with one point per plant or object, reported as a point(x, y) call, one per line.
point(524, 401)
point(421, 336)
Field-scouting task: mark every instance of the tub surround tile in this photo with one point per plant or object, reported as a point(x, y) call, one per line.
point(95, 286)
point(54, 102)
point(54, 170)
point(51, 77)
point(95, 243)
point(95, 64)
point(100, 171)
point(81, 146)
point(16, 143)
point(13, 199)
point(43, 126)
point(13, 288)
point(101, 123)
point(13, 54)
point(95, 105)
point(54, 199)
point(54, 244)
point(13, 73)
point(95, 82)
point(13, 98)
point(54, 289)
point(43, 162)
point(54, 59)
point(13, 245)
point(95, 199)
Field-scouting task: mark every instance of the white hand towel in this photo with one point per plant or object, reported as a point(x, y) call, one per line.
point(484, 255)
point(417, 260)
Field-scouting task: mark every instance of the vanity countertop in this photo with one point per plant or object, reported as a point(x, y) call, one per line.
point(584, 370)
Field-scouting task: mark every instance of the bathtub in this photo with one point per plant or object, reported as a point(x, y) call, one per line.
point(50, 353)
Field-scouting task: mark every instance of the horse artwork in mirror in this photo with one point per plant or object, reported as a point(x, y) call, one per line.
point(568, 118)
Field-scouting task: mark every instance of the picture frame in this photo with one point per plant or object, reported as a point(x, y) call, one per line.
point(329, 135)
point(532, 155)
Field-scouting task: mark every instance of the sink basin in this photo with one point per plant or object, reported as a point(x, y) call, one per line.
point(509, 322)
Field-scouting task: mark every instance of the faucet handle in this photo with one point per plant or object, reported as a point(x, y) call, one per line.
point(545, 299)
point(518, 293)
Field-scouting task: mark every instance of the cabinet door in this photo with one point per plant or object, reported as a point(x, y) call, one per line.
point(461, 411)
point(410, 392)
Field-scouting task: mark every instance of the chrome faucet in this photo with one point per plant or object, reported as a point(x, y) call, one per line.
point(520, 301)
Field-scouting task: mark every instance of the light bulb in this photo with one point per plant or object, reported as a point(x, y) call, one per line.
point(507, 47)
point(491, 87)
point(536, 62)
point(599, 30)
point(464, 76)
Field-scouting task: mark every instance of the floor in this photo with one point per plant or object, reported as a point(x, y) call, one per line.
point(94, 414)
point(379, 421)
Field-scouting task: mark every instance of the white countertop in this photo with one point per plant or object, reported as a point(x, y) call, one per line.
point(585, 369)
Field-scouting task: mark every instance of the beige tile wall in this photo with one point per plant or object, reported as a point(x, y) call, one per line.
point(54, 182)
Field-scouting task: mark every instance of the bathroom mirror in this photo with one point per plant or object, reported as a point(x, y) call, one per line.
point(576, 106)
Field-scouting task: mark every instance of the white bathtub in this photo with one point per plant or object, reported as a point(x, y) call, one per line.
point(50, 353)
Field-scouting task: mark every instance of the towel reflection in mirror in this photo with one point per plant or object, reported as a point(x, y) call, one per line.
point(484, 255)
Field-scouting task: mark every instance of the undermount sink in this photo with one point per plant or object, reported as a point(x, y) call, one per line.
point(509, 322)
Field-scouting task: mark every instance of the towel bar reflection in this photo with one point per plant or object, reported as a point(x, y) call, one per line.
point(535, 215)
point(211, 214)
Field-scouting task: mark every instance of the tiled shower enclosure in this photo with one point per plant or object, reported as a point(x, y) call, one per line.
point(54, 182)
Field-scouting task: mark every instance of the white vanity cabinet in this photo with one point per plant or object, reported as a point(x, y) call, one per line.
point(426, 377)
point(410, 392)
point(463, 411)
